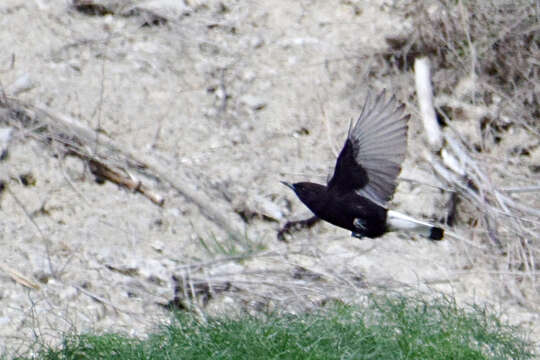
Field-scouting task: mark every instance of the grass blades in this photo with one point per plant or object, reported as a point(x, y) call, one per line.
point(387, 327)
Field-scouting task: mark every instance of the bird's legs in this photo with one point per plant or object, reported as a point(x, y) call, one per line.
point(360, 225)
point(293, 226)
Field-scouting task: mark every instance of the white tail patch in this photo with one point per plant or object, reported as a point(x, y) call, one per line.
point(398, 221)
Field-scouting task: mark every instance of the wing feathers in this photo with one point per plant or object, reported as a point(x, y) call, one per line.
point(379, 142)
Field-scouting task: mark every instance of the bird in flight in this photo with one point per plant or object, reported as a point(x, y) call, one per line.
point(365, 175)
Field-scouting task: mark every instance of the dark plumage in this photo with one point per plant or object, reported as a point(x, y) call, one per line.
point(365, 175)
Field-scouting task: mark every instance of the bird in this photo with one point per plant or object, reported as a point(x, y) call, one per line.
point(365, 175)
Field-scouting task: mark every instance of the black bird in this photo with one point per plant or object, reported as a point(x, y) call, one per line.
point(365, 176)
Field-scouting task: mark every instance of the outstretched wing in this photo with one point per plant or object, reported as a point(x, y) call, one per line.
point(370, 161)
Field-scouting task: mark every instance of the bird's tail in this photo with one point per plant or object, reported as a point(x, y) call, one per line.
point(398, 221)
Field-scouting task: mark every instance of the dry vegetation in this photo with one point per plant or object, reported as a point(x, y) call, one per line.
point(486, 80)
point(486, 84)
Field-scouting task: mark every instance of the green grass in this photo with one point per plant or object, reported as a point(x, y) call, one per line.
point(396, 327)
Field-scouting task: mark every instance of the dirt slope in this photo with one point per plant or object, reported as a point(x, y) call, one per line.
point(231, 99)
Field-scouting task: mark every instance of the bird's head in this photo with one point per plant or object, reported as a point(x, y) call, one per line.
point(307, 192)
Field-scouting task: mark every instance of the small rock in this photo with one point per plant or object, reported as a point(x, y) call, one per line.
point(175, 212)
point(249, 75)
point(42, 276)
point(75, 64)
point(21, 84)
point(256, 42)
point(157, 246)
point(5, 137)
point(299, 41)
point(253, 102)
point(267, 208)
point(27, 179)
point(69, 293)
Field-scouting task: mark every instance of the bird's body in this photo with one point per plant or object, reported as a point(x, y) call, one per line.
point(365, 176)
point(343, 209)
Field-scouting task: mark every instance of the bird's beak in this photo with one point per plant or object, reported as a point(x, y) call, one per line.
point(289, 185)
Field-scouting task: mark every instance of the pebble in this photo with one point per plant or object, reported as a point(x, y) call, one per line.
point(267, 207)
point(5, 137)
point(253, 102)
point(23, 83)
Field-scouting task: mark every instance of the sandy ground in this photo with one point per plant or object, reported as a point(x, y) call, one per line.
point(231, 99)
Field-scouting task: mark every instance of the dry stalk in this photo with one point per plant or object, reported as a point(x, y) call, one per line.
point(425, 100)
point(19, 278)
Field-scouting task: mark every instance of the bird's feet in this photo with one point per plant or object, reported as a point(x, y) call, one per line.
point(360, 226)
point(294, 226)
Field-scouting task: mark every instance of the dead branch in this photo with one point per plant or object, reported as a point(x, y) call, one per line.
point(425, 101)
point(102, 171)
